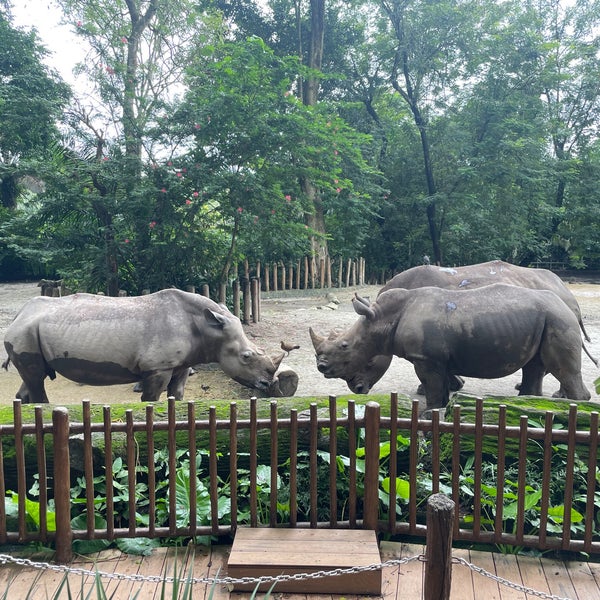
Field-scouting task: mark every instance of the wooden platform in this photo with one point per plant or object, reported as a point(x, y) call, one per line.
point(571, 579)
point(258, 552)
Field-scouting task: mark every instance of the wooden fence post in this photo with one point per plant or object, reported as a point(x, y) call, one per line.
point(306, 269)
point(62, 485)
point(246, 301)
point(255, 294)
point(236, 297)
point(348, 269)
point(438, 552)
point(321, 273)
point(371, 501)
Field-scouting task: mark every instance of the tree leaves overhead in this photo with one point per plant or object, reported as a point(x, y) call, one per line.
point(462, 130)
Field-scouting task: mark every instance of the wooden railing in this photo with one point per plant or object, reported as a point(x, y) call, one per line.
point(311, 444)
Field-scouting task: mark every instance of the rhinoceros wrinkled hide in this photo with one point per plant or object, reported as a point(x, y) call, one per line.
point(153, 339)
point(486, 333)
point(468, 277)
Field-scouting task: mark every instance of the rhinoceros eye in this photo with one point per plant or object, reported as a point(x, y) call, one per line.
point(247, 354)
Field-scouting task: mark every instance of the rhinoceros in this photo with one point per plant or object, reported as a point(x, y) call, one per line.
point(472, 277)
point(486, 333)
point(154, 339)
point(475, 276)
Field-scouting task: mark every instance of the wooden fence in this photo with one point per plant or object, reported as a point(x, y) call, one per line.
point(286, 470)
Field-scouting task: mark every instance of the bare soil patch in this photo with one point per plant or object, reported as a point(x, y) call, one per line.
point(287, 316)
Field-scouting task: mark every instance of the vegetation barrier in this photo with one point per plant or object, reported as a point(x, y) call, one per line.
point(347, 466)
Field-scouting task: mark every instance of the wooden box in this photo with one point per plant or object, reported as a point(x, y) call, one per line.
point(266, 551)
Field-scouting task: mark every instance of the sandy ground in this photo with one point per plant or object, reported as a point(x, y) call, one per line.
point(287, 316)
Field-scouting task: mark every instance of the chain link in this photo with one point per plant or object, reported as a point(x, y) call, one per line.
point(506, 582)
point(25, 562)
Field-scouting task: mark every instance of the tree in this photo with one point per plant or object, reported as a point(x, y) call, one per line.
point(31, 100)
point(137, 54)
point(255, 142)
point(427, 59)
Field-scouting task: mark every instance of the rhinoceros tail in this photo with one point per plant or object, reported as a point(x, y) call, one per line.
point(6, 363)
point(594, 360)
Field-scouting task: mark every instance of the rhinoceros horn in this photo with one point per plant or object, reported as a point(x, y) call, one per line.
point(277, 358)
point(317, 339)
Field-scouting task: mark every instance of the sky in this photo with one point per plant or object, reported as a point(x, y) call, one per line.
point(44, 15)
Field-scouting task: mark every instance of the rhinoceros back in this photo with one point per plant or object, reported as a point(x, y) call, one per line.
point(97, 339)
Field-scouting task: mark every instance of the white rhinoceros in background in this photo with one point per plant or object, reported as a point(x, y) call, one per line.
point(470, 277)
point(154, 339)
point(489, 332)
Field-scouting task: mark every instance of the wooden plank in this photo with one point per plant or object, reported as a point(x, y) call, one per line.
point(507, 567)
point(486, 588)
point(390, 575)
point(35, 584)
point(126, 564)
point(410, 577)
point(154, 564)
point(217, 567)
point(271, 552)
point(532, 573)
point(583, 580)
point(82, 584)
point(595, 571)
point(558, 579)
point(462, 577)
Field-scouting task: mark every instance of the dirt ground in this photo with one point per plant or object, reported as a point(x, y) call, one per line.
point(287, 316)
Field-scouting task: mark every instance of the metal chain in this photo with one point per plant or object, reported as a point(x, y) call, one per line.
point(25, 562)
point(506, 582)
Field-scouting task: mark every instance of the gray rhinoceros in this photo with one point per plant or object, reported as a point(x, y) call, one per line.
point(475, 276)
point(472, 277)
point(486, 333)
point(154, 339)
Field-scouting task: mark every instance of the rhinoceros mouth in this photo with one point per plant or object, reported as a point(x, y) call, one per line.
point(359, 386)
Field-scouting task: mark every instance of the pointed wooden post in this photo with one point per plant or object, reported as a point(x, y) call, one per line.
point(62, 485)
point(438, 553)
point(371, 500)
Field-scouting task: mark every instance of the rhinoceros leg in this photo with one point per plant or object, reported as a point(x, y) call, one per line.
point(435, 382)
point(533, 376)
point(176, 386)
point(455, 383)
point(33, 373)
point(153, 384)
point(572, 387)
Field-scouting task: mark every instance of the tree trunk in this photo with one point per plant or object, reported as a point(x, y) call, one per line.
point(310, 96)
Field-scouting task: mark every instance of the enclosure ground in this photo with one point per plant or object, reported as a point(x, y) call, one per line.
point(287, 316)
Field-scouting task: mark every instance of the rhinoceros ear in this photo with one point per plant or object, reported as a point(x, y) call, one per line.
point(362, 308)
point(317, 340)
point(362, 300)
point(215, 318)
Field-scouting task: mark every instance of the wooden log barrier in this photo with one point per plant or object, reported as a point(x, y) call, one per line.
point(438, 551)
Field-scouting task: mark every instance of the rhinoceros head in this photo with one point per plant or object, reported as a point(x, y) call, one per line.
point(239, 358)
point(338, 357)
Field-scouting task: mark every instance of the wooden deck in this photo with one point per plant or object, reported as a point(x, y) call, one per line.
point(573, 580)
